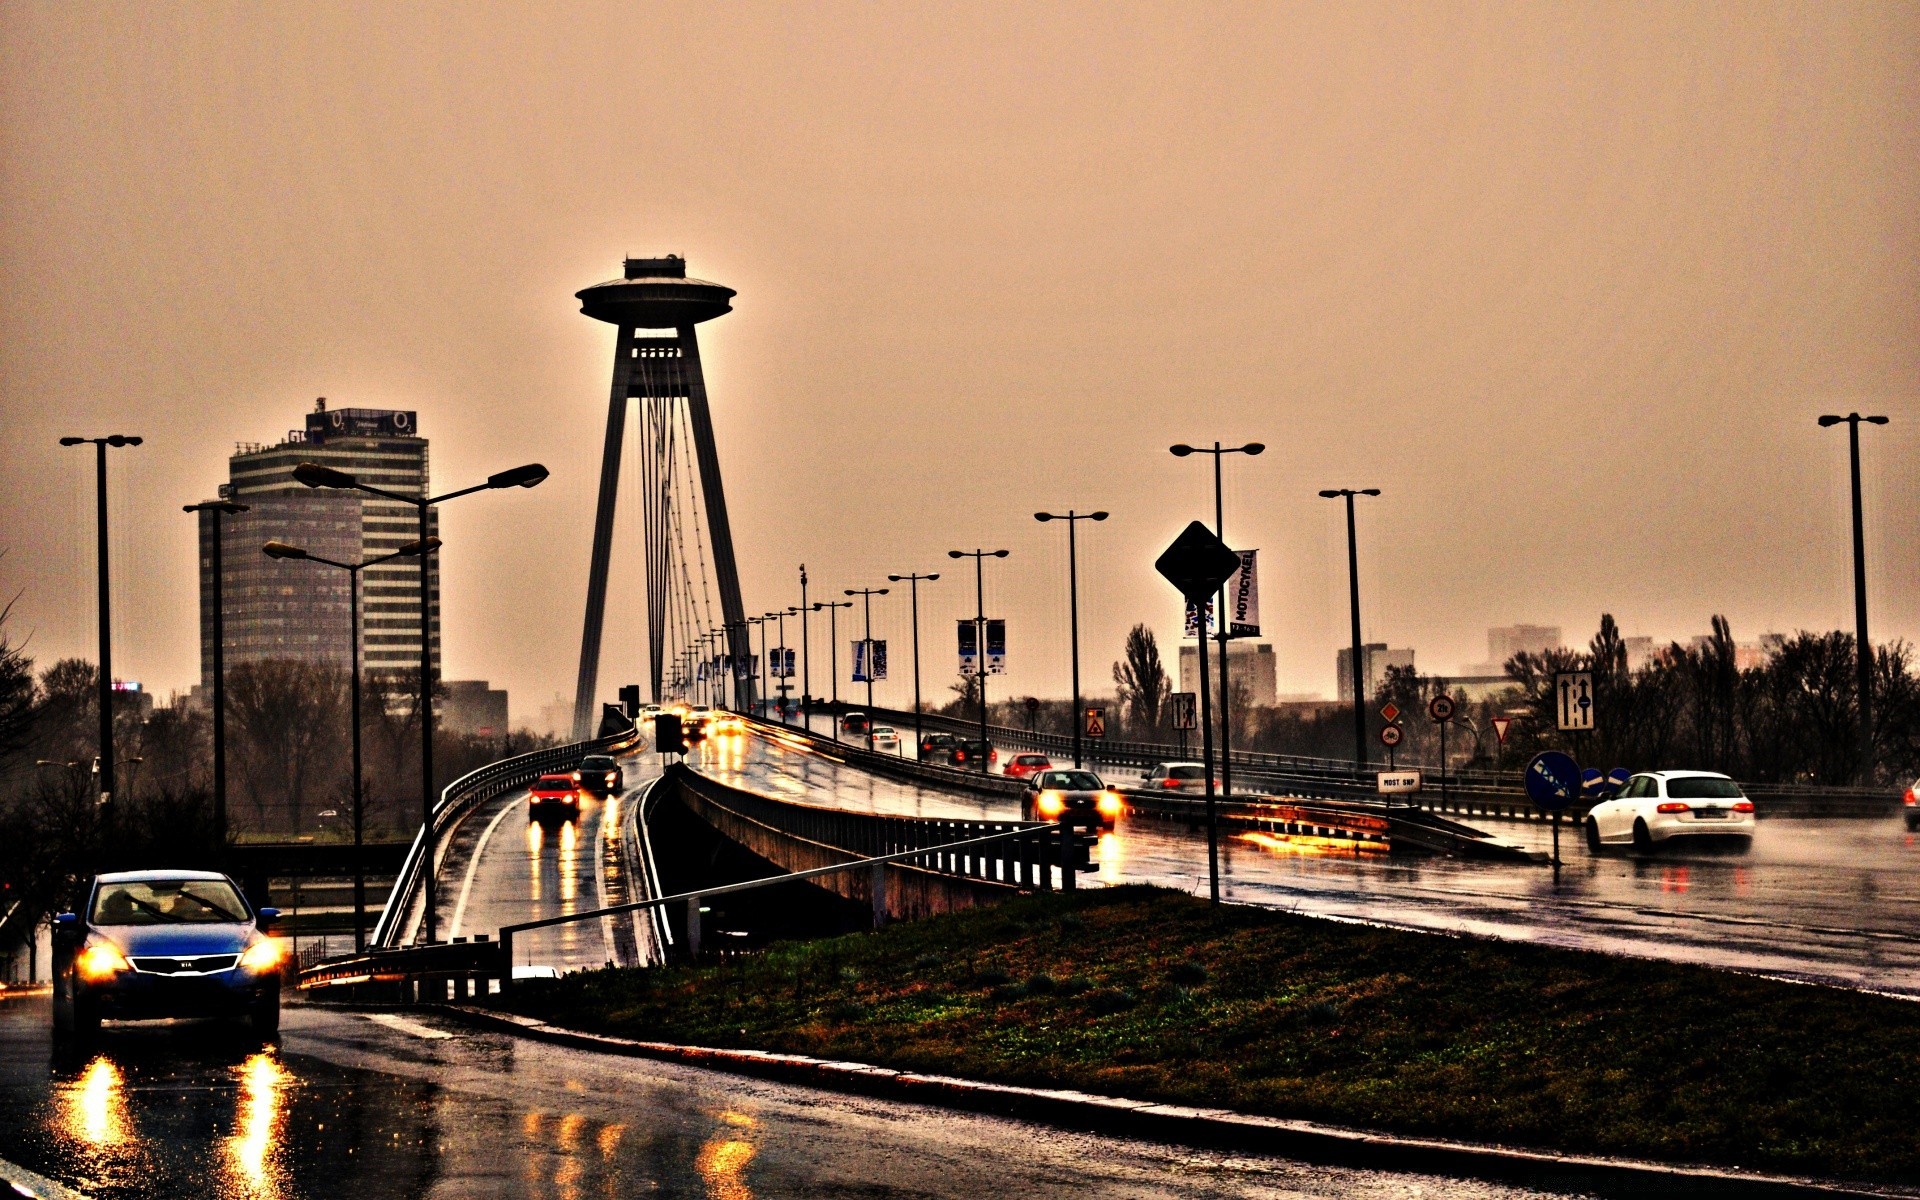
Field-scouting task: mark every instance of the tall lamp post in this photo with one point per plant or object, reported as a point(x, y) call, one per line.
point(100, 445)
point(1073, 604)
point(1358, 665)
point(867, 595)
point(1221, 616)
point(980, 624)
point(806, 657)
point(314, 475)
point(281, 550)
point(1863, 649)
point(219, 509)
point(833, 608)
point(760, 675)
point(913, 583)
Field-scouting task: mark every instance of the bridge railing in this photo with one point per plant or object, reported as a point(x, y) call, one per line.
point(462, 794)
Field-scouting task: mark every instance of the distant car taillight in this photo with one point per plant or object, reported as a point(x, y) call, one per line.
point(1671, 807)
point(1169, 783)
point(1911, 799)
point(1743, 806)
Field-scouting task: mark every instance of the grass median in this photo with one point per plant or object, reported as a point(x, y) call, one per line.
point(1146, 993)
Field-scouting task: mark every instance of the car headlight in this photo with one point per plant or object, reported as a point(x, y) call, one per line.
point(576, 777)
point(263, 955)
point(1052, 804)
point(1109, 804)
point(102, 960)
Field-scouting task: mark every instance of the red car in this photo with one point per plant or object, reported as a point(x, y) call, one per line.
point(553, 795)
point(1022, 765)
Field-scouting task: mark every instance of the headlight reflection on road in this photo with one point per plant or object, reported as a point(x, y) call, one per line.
point(568, 856)
point(254, 1149)
point(97, 1106)
point(1110, 858)
point(724, 1158)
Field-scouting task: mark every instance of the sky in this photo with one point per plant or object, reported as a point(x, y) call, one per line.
point(1569, 283)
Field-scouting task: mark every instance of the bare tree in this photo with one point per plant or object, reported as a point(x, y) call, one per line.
point(1142, 680)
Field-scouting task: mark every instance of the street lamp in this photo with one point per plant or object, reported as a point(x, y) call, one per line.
point(218, 509)
point(980, 644)
point(1863, 649)
point(833, 608)
point(1221, 616)
point(100, 445)
point(761, 675)
point(867, 595)
point(285, 552)
point(806, 657)
point(913, 583)
point(1358, 666)
point(314, 475)
point(1073, 604)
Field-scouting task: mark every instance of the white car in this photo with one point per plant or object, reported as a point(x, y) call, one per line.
point(886, 737)
point(1657, 807)
point(1177, 777)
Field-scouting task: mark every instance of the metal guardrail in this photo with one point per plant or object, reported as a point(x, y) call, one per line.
point(463, 793)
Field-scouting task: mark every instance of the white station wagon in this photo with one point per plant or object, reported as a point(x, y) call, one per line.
point(1665, 806)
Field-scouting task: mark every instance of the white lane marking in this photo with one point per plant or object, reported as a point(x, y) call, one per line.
point(473, 866)
point(405, 1026)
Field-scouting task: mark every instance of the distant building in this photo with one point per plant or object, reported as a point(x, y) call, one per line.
point(1505, 641)
point(1640, 652)
point(1249, 665)
point(473, 708)
point(300, 610)
point(555, 719)
point(1378, 657)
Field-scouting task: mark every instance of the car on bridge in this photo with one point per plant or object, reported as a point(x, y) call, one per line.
point(1022, 765)
point(1656, 808)
point(885, 737)
point(553, 796)
point(1912, 803)
point(1176, 777)
point(855, 723)
point(149, 945)
point(726, 724)
point(1077, 797)
point(600, 774)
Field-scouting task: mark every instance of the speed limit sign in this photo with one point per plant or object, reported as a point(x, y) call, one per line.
point(1440, 708)
point(1390, 735)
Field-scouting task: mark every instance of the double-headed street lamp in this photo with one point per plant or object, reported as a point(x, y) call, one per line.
point(980, 637)
point(100, 445)
point(1073, 519)
point(867, 595)
point(219, 509)
point(1359, 665)
point(806, 657)
point(281, 550)
point(833, 608)
point(1863, 649)
point(1221, 616)
point(314, 475)
point(760, 681)
point(913, 583)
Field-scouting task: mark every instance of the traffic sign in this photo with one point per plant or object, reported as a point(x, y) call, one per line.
point(1500, 725)
point(1397, 783)
point(1096, 722)
point(1391, 712)
point(1573, 700)
point(1553, 780)
point(1197, 562)
point(1186, 710)
point(1440, 708)
point(1618, 778)
point(1390, 735)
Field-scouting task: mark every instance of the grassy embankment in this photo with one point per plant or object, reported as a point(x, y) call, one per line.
point(1145, 993)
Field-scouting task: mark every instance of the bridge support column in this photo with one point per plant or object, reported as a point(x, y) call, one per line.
point(878, 888)
point(693, 927)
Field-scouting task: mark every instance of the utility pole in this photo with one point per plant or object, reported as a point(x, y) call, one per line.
point(1073, 520)
point(980, 625)
point(1359, 665)
point(913, 586)
point(100, 444)
point(217, 509)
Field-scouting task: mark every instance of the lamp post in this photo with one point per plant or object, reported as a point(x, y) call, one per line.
point(806, 657)
point(218, 509)
point(1220, 605)
point(100, 445)
point(314, 475)
point(281, 550)
point(1863, 649)
point(760, 673)
point(913, 583)
point(980, 624)
point(785, 686)
point(1358, 665)
point(1073, 604)
point(833, 608)
point(867, 595)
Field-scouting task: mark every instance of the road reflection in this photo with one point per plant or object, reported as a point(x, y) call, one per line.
point(723, 1159)
point(96, 1107)
point(254, 1152)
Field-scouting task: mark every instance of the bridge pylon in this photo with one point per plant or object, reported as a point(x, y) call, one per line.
point(656, 361)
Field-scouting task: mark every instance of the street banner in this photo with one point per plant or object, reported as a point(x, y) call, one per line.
point(859, 661)
point(996, 647)
point(876, 659)
point(1193, 620)
point(699, 673)
point(1243, 594)
point(780, 660)
point(1186, 712)
point(742, 668)
point(969, 647)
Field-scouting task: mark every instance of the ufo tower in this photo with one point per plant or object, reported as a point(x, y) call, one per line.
point(687, 542)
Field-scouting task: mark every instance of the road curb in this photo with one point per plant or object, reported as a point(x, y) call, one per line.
point(1213, 1127)
point(23, 1182)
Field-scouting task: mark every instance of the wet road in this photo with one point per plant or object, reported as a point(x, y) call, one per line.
point(1832, 901)
point(358, 1105)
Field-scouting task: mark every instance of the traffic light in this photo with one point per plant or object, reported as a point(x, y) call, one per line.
point(667, 738)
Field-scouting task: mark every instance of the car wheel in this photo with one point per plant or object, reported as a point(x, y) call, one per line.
point(263, 1017)
point(1743, 846)
point(1642, 839)
point(1593, 836)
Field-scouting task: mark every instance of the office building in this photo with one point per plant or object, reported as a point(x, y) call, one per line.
point(1505, 641)
point(1249, 667)
point(471, 707)
point(1378, 657)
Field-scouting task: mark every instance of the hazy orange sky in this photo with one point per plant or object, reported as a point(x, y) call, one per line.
point(1568, 282)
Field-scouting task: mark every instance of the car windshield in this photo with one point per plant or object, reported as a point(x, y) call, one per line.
point(1072, 781)
point(168, 902)
point(596, 764)
point(1033, 760)
point(1186, 772)
point(554, 783)
point(1700, 787)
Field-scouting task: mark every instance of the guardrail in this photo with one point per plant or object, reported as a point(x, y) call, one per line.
point(463, 793)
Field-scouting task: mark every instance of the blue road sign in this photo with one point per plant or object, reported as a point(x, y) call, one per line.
point(1618, 778)
point(1592, 781)
point(1553, 780)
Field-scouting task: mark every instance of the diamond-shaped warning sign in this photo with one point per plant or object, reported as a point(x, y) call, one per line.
point(1197, 562)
